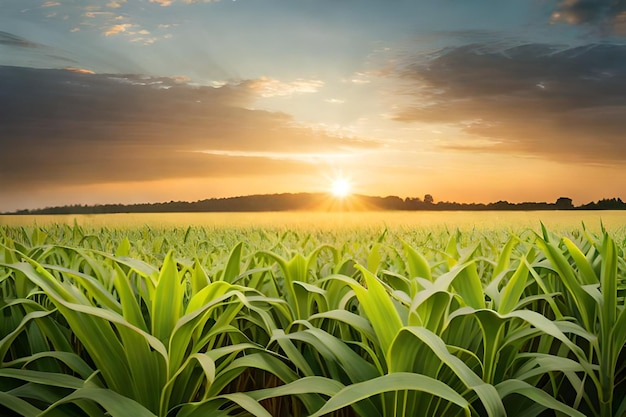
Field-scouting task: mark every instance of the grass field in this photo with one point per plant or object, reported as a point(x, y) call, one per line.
point(312, 314)
point(467, 220)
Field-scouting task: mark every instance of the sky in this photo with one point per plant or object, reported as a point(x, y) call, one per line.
point(129, 101)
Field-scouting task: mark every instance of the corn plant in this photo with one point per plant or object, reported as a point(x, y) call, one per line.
point(266, 321)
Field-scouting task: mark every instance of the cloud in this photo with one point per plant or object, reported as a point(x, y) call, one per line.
point(563, 104)
point(132, 31)
point(79, 70)
point(163, 3)
point(92, 15)
point(144, 41)
point(270, 87)
point(35, 53)
point(360, 78)
point(116, 29)
point(69, 127)
point(606, 15)
point(115, 4)
point(306, 157)
point(619, 24)
point(51, 4)
point(14, 40)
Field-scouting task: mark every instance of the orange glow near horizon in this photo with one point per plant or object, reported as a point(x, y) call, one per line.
point(479, 185)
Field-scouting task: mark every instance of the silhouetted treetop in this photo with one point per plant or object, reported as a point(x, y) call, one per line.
point(319, 201)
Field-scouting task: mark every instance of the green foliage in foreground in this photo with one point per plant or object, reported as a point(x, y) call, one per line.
point(209, 322)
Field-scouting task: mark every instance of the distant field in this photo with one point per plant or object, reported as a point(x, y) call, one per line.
point(555, 220)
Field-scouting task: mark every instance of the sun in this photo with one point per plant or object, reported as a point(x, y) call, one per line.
point(341, 188)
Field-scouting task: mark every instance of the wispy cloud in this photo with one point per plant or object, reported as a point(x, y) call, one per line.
point(163, 3)
point(199, 1)
point(17, 41)
point(38, 53)
point(116, 4)
point(270, 87)
point(79, 70)
point(117, 29)
point(144, 40)
point(91, 14)
point(51, 4)
point(306, 157)
point(359, 78)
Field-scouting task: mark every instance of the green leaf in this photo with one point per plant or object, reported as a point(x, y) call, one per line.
point(409, 348)
point(124, 248)
point(6, 342)
point(131, 309)
point(430, 309)
point(400, 381)
point(116, 404)
point(378, 308)
point(586, 269)
point(467, 283)
point(513, 290)
point(418, 266)
point(504, 259)
point(167, 304)
point(18, 405)
point(608, 281)
point(199, 278)
point(44, 378)
point(374, 258)
point(70, 359)
point(585, 304)
point(310, 384)
point(515, 386)
point(233, 265)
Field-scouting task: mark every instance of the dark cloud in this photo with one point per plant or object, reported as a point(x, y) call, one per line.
point(13, 40)
point(540, 100)
point(70, 127)
point(606, 15)
point(14, 48)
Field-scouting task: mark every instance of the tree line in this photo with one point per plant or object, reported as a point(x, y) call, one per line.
point(319, 201)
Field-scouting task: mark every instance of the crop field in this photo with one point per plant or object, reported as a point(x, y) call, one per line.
point(296, 314)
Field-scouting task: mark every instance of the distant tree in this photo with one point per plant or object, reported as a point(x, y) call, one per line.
point(564, 203)
point(610, 204)
point(428, 199)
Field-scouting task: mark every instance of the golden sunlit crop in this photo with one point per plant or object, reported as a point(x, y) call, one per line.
point(341, 188)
